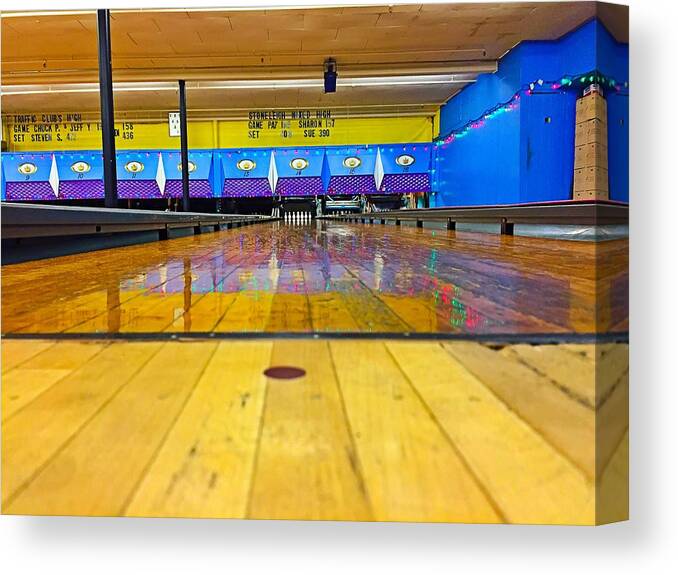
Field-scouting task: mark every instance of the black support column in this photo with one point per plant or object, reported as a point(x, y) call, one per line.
point(107, 116)
point(183, 124)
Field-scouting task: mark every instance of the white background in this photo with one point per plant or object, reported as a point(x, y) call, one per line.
point(646, 544)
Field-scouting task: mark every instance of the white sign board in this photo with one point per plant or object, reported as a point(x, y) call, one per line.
point(174, 124)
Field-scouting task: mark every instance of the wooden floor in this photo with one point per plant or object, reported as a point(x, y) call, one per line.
point(325, 277)
point(375, 430)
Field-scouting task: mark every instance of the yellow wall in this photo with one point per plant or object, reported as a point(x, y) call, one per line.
point(436, 124)
point(37, 132)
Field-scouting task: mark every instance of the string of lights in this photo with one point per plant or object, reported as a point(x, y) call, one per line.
point(571, 82)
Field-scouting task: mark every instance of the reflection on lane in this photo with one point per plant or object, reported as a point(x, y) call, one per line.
point(326, 277)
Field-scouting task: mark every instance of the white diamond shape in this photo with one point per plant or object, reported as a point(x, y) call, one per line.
point(378, 170)
point(54, 177)
point(272, 173)
point(160, 175)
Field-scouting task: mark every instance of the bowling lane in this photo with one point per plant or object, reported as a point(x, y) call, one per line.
point(325, 277)
point(370, 430)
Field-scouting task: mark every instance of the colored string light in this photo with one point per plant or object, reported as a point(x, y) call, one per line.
point(566, 82)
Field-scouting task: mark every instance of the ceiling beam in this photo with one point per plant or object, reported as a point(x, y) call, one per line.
point(65, 75)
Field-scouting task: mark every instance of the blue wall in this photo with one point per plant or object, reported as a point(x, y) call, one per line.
point(467, 171)
point(527, 154)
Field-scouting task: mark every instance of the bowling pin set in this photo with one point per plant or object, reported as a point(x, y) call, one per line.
point(297, 217)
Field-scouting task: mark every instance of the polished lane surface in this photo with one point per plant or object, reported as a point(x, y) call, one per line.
point(325, 277)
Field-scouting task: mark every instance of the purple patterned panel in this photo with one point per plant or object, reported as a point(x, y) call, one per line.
point(361, 184)
point(30, 191)
point(405, 183)
point(304, 186)
point(196, 189)
point(246, 188)
point(138, 189)
point(81, 189)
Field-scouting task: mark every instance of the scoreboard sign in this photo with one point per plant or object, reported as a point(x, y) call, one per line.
point(59, 131)
point(258, 129)
point(307, 125)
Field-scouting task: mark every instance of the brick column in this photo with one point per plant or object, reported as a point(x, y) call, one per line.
point(590, 148)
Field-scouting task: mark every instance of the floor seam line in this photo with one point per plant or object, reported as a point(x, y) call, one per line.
point(106, 345)
point(549, 442)
point(457, 450)
point(18, 365)
point(260, 430)
point(617, 445)
point(566, 391)
point(161, 443)
point(498, 338)
point(360, 472)
point(77, 432)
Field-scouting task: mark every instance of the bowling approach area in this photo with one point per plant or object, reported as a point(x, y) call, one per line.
point(389, 322)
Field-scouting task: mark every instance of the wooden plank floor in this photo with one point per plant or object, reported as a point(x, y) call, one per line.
point(325, 277)
point(375, 430)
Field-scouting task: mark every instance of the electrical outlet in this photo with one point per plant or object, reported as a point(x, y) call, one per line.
point(174, 124)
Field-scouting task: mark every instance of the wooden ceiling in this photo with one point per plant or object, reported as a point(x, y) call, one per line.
point(152, 45)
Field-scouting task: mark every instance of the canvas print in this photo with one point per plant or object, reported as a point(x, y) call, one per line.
point(350, 263)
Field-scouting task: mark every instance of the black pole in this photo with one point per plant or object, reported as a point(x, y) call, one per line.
point(184, 145)
point(107, 116)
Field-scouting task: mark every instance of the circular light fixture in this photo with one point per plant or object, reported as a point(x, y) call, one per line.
point(246, 165)
point(299, 164)
point(352, 162)
point(405, 160)
point(134, 167)
point(27, 168)
point(191, 166)
point(80, 167)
